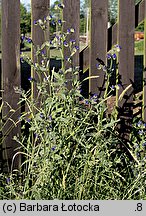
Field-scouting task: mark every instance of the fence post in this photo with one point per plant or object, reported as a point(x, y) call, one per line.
point(10, 78)
point(71, 16)
point(40, 9)
point(144, 72)
point(98, 43)
point(126, 29)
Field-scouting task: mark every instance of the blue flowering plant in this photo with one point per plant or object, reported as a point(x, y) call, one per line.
point(138, 140)
point(109, 68)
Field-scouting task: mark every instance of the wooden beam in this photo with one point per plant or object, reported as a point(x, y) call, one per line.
point(40, 9)
point(98, 43)
point(10, 77)
point(141, 13)
point(126, 29)
point(71, 16)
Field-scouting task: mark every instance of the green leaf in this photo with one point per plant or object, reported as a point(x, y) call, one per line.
point(124, 92)
point(91, 77)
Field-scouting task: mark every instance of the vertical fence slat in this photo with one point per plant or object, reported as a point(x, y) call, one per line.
point(126, 29)
point(98, 42)
point(144, 72)
point(40, 9)
point(71, 16)
point(10, 72)
point(141, 11)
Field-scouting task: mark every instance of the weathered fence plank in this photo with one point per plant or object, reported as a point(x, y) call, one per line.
point(141, 13)
point(40, 9)
point(71, 16)
point(98, 43)
point(10, 75)
point(126, 29)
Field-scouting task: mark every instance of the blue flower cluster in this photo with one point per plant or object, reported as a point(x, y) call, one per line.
point(26, 39)
point(142, 127)
point(111, 55)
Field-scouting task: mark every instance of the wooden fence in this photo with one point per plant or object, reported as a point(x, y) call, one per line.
point(101, 40)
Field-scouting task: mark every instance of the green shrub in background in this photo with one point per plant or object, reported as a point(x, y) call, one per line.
point(72, 148)
point(25, 20)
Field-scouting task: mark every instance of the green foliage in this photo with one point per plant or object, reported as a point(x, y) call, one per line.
point(140, 27)
point(25, 21)
point(83, 22)
point(139, 47)
point(113, 10)
point(84, 6)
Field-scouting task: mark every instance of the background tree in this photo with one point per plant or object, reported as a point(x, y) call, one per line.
point(25, 20)
point(83, 16)
point(113, 10)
